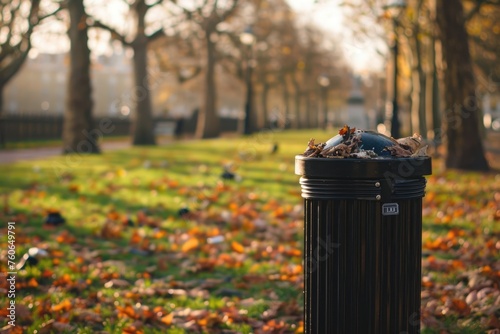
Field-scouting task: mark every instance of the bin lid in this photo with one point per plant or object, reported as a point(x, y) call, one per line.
point(352, 168)
point(381, 165)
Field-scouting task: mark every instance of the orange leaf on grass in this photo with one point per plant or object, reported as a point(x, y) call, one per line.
point(142, 218)
point(113, 215)
point(294, 252)
point(132, 295)
point(454, 233)
point(233, 206)
point(65, 305)
point(279, 212)
point(172, 184)
point(300, 328)
point(194, 231)
point(457, 264)
point(461, 306)
point(74, 188)
point(213, 232)
point(111, 230)
point(486, 269)
point(159, 234)
point(65, 238)
point(167, 320)
point(126, 312)
point(132, 330)
point(64, 280)
point(57, 253)
point(32, 283)
point(135, 238)
point(190, 245)
point(237, 247)
point(47, 273)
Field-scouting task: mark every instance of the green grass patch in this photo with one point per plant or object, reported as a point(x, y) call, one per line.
point(126, 261)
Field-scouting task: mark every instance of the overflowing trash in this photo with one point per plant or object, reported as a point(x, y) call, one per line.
point(352, 143)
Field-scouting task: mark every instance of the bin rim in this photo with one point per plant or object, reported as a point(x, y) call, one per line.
point(356, 168)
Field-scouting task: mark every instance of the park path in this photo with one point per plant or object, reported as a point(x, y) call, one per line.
point(10, 156)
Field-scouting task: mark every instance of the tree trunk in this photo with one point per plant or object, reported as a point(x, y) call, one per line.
point(419, 77)
point(251, 123)
point(296, 99)
point(208, 125)
point(422, 125)
point(461, 119)
point(286, 103)
point(436, 115)
point(263, 102)
point(422, 117)
point(78, 133)
point(418, 117)
point(412, 105)
point(309, 111)
point(434, 120)
point(143, 128)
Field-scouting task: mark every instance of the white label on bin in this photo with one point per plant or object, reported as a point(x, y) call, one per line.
point(390, 209)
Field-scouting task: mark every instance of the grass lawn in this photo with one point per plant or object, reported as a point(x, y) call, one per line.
point(126, 261)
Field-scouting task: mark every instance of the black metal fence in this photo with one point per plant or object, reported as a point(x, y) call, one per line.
point(25, 127)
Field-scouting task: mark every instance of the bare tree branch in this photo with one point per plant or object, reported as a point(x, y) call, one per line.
point(229, 11)
point(114, 34)
point(157, 34)
point(43, 17)
point(18, 52)
point(10, 25)
point(158, 2)
point(181, 78)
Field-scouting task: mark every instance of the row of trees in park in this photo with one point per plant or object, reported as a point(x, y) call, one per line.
point(288, 58)
point(448, 50)
point(433, 35)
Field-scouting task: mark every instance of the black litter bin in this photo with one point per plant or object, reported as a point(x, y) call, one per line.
point(363, 240)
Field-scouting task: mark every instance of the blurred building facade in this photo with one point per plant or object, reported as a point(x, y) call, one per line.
point(355, 112)
point(40, 88)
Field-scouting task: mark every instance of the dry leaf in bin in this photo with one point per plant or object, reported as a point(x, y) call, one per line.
point(408, 147)
point(313, 150)
point(412, 143)
point(341, 150)
point(346, 131)
point(421, 152)
point(398, 151)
